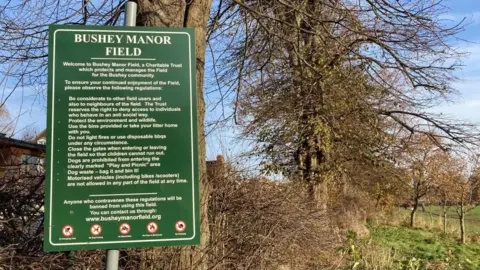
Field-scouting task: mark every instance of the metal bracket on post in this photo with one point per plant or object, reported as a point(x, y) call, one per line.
point(113, 255)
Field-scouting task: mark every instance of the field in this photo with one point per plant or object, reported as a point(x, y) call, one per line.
point(472, 219)
point(424, 249)
point(473, 214)
point(397, 246)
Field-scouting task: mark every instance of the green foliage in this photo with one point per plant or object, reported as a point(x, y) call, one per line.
point(413, 264)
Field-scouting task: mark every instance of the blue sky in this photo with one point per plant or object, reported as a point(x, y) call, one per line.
point(27, 109)
point(467, 106)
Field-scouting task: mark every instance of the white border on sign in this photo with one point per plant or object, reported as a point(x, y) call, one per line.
point(52, 141)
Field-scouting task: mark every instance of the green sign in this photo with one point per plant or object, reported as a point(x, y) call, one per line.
point(122, 138)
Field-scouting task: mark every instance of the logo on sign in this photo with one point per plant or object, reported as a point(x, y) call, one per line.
point(96, 230)
point(152, 227)
point(124, 228)
point(180, 226)
point(67, 231)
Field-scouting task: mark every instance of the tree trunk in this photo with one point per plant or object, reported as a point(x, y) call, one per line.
point(462, 224)
point(412, 215)
point(197, 15)
point(174, 13)
point(318, 194)
point(444, 222)
point(444, 210)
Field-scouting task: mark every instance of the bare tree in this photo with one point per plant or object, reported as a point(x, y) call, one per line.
point(464, 193)
point(449, 175)
point(393, 60)
point(23, 50)
point(425, 163)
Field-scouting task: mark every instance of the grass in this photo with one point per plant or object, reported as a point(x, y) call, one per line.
point(401, 247)
point(391, 247)
point(428, 247)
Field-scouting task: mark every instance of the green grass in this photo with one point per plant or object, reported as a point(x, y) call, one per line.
point(433, 250)
point(434, 214)
point(398, 246)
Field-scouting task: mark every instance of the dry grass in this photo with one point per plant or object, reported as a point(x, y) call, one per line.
point(254, 224)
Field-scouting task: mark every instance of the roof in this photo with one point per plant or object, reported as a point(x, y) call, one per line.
point(10, 142)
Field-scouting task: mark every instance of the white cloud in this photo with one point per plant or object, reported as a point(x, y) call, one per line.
point(472, 60)
point(467, 106)
point(463, 111)
point(470, 18)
